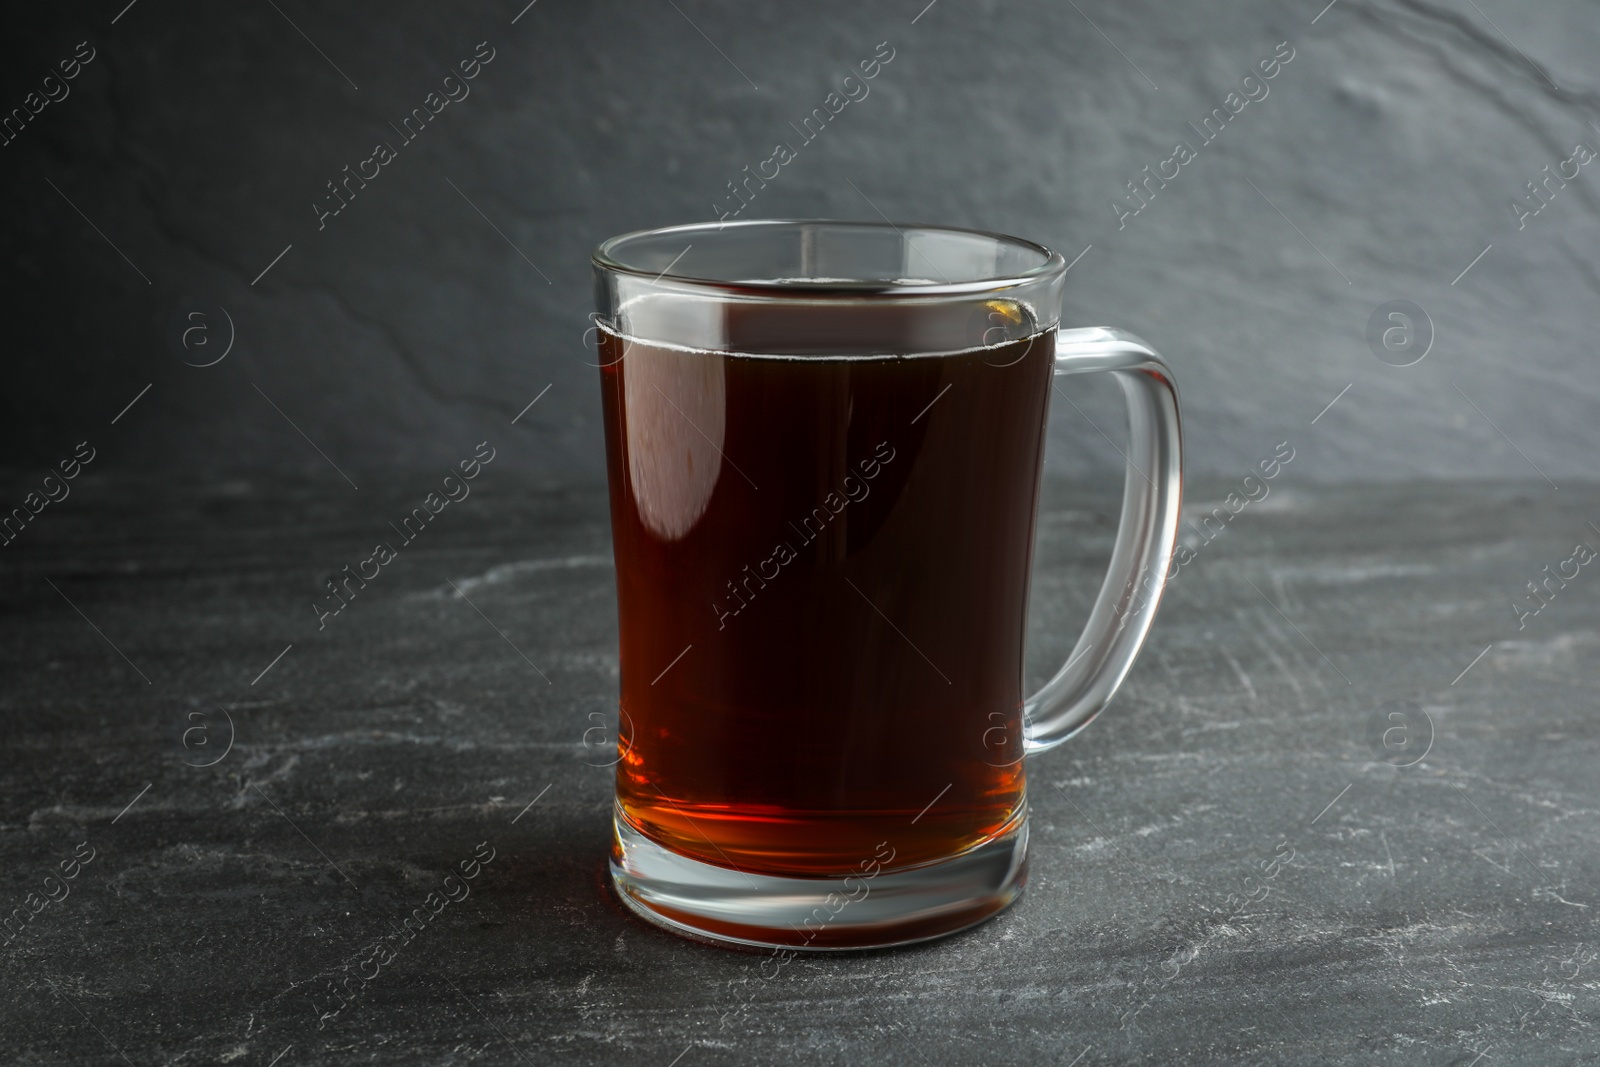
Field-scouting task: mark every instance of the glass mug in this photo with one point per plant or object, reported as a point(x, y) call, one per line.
point(824, 443)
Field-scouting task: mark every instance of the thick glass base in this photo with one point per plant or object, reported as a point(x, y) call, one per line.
point(818, 914)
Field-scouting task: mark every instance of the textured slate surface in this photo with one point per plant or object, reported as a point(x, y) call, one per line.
point(454, 288)
point(1440, 913)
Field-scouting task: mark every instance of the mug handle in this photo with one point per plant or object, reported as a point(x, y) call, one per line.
point(1151, 500)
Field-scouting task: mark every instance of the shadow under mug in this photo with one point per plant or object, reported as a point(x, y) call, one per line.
point(824, 443)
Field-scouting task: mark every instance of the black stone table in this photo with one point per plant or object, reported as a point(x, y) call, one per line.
point(1233, 865)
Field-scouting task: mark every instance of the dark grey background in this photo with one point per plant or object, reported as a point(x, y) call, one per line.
point(200, 136)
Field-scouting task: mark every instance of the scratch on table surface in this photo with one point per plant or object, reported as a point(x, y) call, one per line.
point(1479, 852)
point(1540, 892)
point(1353, 573)
point(1544, 653)
point(1285, 600)
point(1244, 679)
point(1213, 725)
point(1277, 660)
point(506, 572)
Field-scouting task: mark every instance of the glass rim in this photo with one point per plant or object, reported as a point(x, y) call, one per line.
point(1052, 263)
